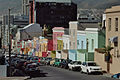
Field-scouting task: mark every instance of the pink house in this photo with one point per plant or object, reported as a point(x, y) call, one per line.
point(57, 32)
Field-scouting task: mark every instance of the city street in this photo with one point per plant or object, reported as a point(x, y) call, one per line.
point(54, 73)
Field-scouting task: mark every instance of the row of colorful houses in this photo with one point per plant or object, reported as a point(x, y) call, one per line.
point(72, 43)
point(80, 41)
point(80, 44)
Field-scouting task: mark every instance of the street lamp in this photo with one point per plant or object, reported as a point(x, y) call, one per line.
point(87, 49)
point(9, 41)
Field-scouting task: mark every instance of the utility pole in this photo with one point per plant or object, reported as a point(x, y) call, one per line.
point(9, 42)
point(87, 50)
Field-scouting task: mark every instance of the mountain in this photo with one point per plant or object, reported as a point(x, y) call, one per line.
point(99, 4)
point(14, 4)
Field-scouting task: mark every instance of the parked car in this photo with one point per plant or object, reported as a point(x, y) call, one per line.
point(58, 62)
point(75, 66)
point(32, 68)
point(64, 63)
point(42, 61)
point(116, 76)
point(47, 61)
point(52, 62)
point(90, 67)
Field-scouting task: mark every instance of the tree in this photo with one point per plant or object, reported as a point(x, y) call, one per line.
point(106, 50)
point(108, 56)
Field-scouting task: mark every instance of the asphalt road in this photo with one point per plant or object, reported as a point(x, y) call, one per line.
point(54, 73)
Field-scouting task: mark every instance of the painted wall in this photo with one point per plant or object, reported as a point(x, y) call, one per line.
point(66, 42)
point(57, 32)
point(81, 40)
point(50, 45)
point(101, 39)
point(92, 36)
point(64, 54)
point(81, 55)
point(89, 56)
point(58, 54)
point(59, 45)
point(53, 54)
point(73, 34)
point(72, 55)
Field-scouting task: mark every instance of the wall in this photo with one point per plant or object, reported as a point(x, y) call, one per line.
point(72, 55)
point(3, 71)
point(81, 55)
point(81, 36)
point(50, 45)
point(53, 54)
point(59, 45)
point(57, 32)
point(64, 54)
point(92, 33)
point(73, 34)
point(113, 13)
point(99, 59)
point(101, 39)
point(58, 54)
point(66, 42)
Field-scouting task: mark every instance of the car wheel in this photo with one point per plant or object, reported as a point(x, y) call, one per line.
point(88, 72)
point(81, 71)
point(72, 69)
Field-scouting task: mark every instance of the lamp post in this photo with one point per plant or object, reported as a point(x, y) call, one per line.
point(9, 41)
point(87, 50)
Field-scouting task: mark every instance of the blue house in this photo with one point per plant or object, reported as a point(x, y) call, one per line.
point(81, 46)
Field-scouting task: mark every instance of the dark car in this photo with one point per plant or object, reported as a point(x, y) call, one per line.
point(47, 61)
point(32, 69)
point(116, 76)
point(64, 63)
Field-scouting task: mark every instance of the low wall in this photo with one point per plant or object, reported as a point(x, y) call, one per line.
point(3, 70)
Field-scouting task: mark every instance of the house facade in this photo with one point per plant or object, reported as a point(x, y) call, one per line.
point(57, 32)
point(81, 46)
point(112, 39)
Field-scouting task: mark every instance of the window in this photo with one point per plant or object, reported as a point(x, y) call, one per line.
point(70, 43)
point(92, 44)
point(109, 42)
point(116, 24)
point(109, 24)
point(40, 47)
point(66, 46)
point(81, 44)
point(73, 32)
point(74, 44)
point(77, 42)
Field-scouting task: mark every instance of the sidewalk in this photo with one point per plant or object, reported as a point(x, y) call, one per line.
point(14, 78)
point(107, 75)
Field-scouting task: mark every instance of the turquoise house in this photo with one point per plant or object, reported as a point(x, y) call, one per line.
point(88, 41)
point(95, 38)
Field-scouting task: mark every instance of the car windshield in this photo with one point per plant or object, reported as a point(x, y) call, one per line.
point(92, 64)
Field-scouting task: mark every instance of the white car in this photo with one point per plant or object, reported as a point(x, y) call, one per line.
point(90, 67)
point(75, 66)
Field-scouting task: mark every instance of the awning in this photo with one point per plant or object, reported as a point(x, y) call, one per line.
point(114, 39)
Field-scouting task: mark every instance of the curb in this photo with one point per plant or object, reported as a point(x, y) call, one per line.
point(15, 78)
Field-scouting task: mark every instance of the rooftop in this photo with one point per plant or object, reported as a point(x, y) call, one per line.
point(113, 9)
point(57, 1)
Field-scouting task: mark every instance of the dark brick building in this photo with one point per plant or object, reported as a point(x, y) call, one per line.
point(53, 13)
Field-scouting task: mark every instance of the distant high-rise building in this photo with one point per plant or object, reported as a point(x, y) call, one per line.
point(53, 13)
point(25, 7)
